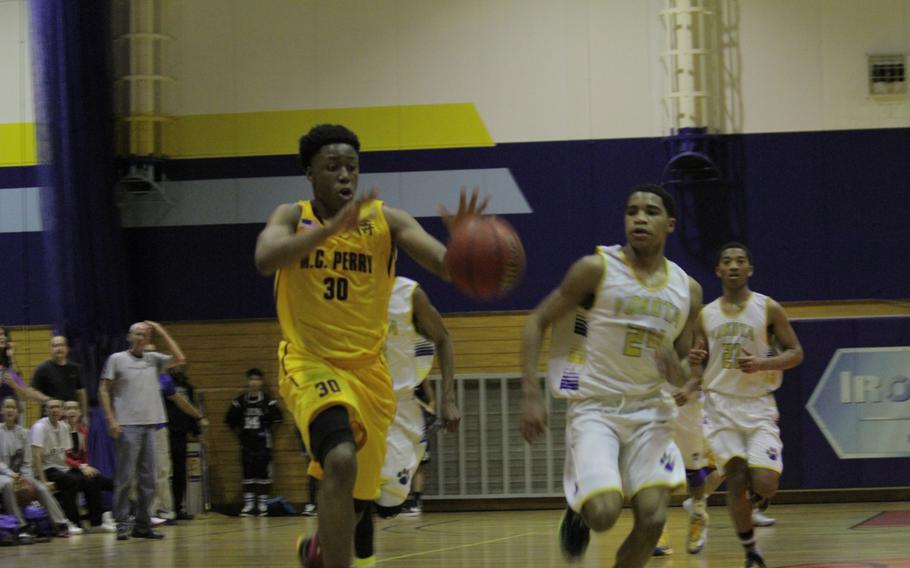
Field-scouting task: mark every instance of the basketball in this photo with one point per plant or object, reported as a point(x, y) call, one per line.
point(25, 492)
point(485, 257)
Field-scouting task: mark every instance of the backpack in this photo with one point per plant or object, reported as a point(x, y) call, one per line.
point(280, 507)
point(39, 522)
point(9, 530)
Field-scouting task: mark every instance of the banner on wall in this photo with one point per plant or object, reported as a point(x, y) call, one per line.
point(862, 402)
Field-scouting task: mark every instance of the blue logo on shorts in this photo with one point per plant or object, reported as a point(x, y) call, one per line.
point(667, 461)
point(403, 476)
point(773, 453)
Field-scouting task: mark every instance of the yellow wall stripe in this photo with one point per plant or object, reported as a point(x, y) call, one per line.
point(379, 128)
point(409, 127)
point(17, 145)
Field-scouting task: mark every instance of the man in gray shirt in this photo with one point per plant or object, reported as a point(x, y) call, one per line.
point(130, 395)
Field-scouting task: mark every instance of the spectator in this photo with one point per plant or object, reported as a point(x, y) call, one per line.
point(130, 395)
point(251, 416)
point(180, 425)
point(50, 443)
point(16, 468)
point(164, 504)
point(11, 383)
point(77, 459)
point(58, 377)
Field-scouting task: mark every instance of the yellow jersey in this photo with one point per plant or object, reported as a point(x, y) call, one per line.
point(333, 303)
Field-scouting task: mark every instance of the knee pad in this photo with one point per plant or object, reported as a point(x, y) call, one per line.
point(387, 512)
point(328, 430)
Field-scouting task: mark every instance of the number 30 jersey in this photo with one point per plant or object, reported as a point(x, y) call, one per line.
point(333, 302)
point(728, 334)
point(625, 326)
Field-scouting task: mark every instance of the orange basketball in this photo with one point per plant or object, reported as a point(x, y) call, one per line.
point(485, 257)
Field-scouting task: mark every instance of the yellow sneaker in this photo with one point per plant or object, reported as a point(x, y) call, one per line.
point(663, 547)
point(698, 533)
point(365, 562)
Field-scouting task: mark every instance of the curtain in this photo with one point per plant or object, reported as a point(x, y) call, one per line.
point(86, 269)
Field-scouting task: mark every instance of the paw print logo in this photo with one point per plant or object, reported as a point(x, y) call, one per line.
point(403, 476)
point(773, 453)
point(667, 461)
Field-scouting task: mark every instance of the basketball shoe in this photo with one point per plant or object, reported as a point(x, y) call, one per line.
point(574, 535)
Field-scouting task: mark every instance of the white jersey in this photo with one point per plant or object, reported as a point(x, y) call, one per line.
point(627, 322)
point(728, 334)
point(409, 354)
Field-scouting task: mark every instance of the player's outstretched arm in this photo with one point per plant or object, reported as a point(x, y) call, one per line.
point(580, 282)
point(279, 244)
point(429, 323)
point(420, 245)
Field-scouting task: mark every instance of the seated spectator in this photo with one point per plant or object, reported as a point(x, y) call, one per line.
point(50, 442)
point(77, 458)
point(58, 377)
point(16, 465)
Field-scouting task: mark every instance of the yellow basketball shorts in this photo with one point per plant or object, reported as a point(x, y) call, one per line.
point(309, 385)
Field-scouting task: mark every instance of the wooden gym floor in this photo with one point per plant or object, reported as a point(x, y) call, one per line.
point(805, 535)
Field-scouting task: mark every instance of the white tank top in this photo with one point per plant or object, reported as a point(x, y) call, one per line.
point(730, 333)
point(624, 326)
point(409, 354)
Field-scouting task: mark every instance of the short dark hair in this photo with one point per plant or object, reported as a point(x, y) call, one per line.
point(669, 202)
point(733, 245)
point(323, 135)
point(254, 373)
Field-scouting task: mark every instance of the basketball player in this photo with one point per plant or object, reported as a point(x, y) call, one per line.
point(740, 376)
point(700, 472)
point(619, 433)
point(416, 333)
point(334, 264)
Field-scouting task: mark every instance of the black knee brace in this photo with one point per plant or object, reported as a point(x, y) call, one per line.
point(328, 430)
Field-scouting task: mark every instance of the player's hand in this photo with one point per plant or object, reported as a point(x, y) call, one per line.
point(113, 428)
point(698, 353)
point(451, 416)
point(203, 422)
point(533, 422)
point(88, 470)
point(349, 216)
point(466, 209)
point(51, 486)
point(680, 397)
point(749, 363)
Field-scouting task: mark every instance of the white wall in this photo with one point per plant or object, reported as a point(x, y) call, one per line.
point(535, 69)
point(16, 98)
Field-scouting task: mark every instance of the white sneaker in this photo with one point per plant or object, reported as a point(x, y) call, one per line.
point(74, 529)
point(248, 510)
point(309, 510)
point(263, 510)
point(759, 519)
point(157, 521)
point(107, 526)
point(107, 518)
